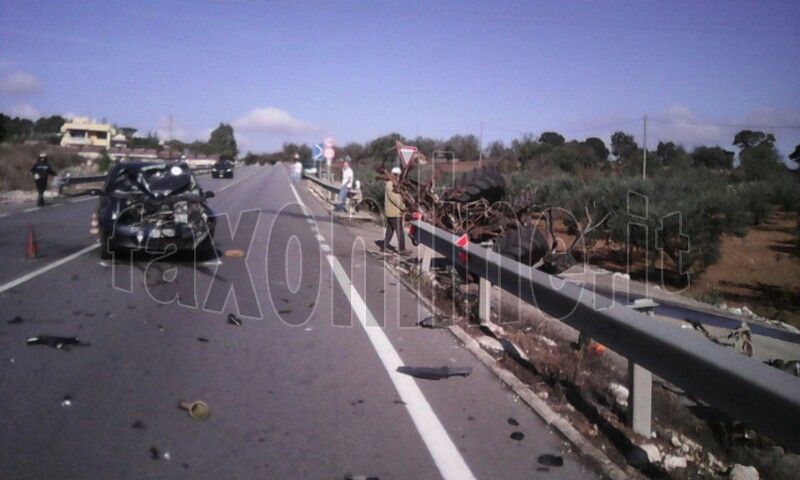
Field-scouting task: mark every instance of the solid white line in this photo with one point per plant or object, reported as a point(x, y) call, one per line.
point(47, 268)
point(3, 215)
point(324, 247)
point(31, 209)
point(441, 447)
point(444, 452)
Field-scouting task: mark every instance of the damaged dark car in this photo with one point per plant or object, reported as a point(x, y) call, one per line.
point(223, 168)
point(154, 207)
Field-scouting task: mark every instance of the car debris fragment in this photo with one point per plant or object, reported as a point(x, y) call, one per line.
point(435, 321)
point(15, 321)
point(54, 341)
point(198, 410)
point(792, 366)
point(432, 373)
point(234, 320)
point(518, 436)
point(550, 460)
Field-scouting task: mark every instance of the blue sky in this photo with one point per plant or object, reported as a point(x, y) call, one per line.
point(301, 70)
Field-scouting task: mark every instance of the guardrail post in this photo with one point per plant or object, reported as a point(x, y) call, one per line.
point(640, 407)
point(425, 254)
point(484, 300)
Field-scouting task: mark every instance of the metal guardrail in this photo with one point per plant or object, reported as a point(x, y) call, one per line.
point(760, 396)
point(68, 179)
point(329, 186)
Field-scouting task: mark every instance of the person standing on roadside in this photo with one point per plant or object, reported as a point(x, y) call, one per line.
point(347, 184)
point(297, 169)
point(40, 171)
point(393, 208)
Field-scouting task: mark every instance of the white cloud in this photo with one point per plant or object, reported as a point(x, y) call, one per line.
point(25, 111)
point(20, 83)
point(679, 124)
point(271, 120)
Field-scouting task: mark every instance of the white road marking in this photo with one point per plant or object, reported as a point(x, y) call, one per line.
point(444, 452)
point(79, 200)
point(47, 268)
point(232, 184)
point(31, 209)
point(3, 215)
point(319, 237)
point(441, 447)
point(324, 247)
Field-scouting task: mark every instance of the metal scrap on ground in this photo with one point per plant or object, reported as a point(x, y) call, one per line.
point(431, 373)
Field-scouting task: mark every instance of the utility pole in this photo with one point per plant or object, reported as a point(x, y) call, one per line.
point(480, 148)
point(644, 148)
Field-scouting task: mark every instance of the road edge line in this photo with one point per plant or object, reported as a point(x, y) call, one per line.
point(46, 268)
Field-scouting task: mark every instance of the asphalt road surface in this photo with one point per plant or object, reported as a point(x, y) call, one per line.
point(305, 388)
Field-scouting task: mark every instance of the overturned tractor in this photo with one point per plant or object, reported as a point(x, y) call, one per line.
point(521, 228)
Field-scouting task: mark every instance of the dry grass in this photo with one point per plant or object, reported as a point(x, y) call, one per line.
point(760, 271)
point(16, 160)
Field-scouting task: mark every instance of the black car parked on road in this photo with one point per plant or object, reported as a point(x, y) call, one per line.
point(154, 207)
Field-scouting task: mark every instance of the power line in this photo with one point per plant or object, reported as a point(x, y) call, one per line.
point(722, 125)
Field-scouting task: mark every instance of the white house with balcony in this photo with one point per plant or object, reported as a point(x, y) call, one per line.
point(81, 132)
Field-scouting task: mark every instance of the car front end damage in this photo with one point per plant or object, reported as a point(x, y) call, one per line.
point(154, 208)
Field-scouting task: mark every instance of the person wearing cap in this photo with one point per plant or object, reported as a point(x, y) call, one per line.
point(393, 208)
point(40, 170)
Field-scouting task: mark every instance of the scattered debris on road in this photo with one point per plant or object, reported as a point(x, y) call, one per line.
point(435, 321)
point(234, 320)
point(66, 401)
point(154, 453)
point(202, 339)
point(550, 460)
point(518, 436)
point(234, 253)
point(513, 422)
point(16, 320)
point(138, 424)
point(55, 341)
point(198, 410)
point(431, 373)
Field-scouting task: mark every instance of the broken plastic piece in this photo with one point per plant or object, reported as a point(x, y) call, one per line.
point(517, 436)
point(54, 341)
point(431, 373)
point(66, 401)
point(551, 460)
point(234, 320)
point(198, 410)
point(435, 321)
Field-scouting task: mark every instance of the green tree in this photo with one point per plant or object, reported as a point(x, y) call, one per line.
point(715, 158)
point(761, 162)
point(526, 148)
point(104, 162)
point(384, 149)
point(750, 138)
point(223, 141)
point(623, 145)
point(599, 148)
point(50, 124)
point(552, 138)
point(795, 156)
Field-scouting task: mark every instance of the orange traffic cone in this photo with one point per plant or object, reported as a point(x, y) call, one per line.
point(94, 229)
point(30, 250)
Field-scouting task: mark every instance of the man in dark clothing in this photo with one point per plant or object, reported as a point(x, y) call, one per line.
point(40, 170)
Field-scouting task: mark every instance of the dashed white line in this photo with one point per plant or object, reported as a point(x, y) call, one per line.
point(319, 238)
point(46, 268)
point(324, 247)
point(445, 454)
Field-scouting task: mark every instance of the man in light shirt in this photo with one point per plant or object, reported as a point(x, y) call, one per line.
point(347, 184)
